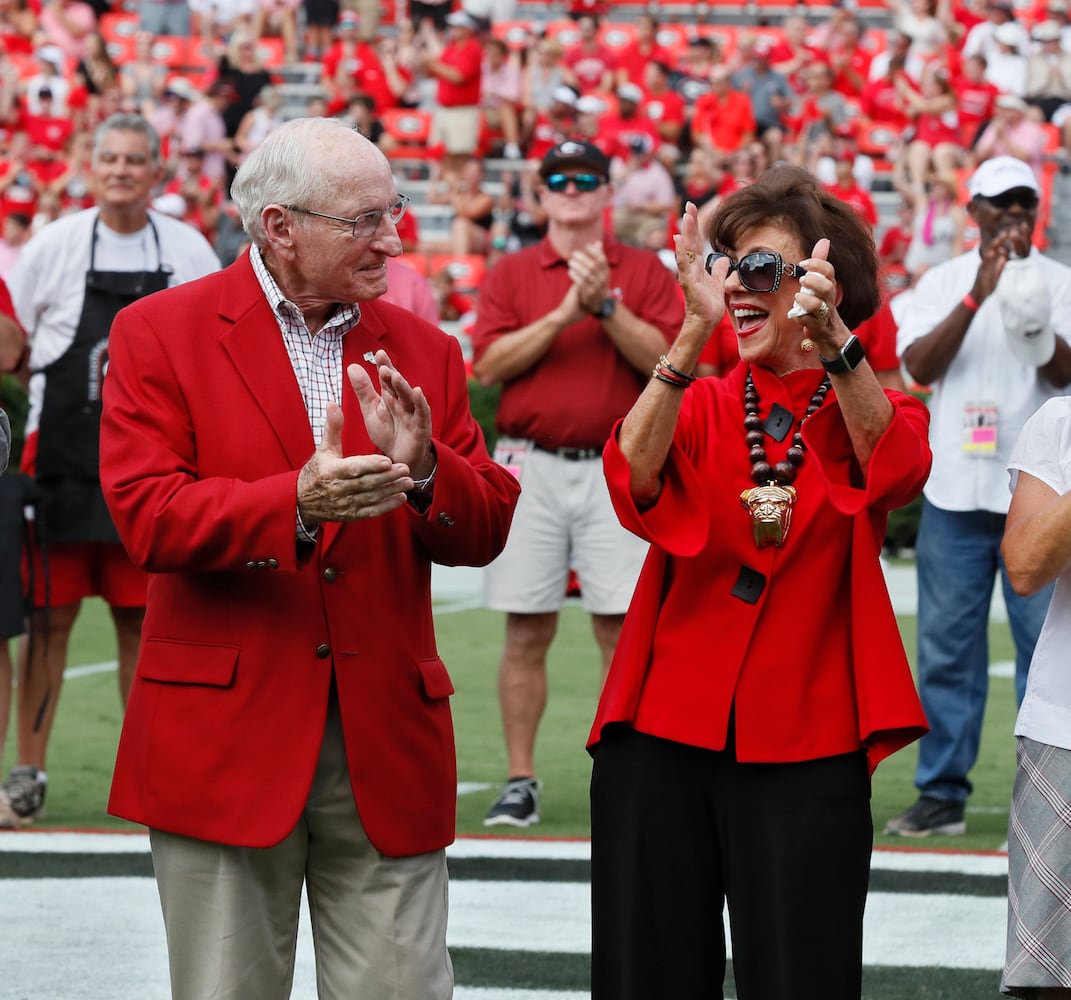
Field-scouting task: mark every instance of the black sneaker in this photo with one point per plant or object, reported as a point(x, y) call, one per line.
point(25, 791)
point(518, 805)
point(929, 815)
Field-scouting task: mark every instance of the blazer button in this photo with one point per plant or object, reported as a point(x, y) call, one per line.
point(323, 651)
point(252, 564)
point(445, 519)
point(262, 564)
point(273, 564)
point(330, 574)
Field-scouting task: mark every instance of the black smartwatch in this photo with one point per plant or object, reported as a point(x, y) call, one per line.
point(850, 357)
point(606, 308)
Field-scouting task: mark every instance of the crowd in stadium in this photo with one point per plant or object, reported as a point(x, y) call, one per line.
point(686, 109)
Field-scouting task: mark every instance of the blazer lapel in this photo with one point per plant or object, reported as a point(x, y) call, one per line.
point(255, 346)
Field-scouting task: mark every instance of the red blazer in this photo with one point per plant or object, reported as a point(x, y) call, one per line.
point(203, 434)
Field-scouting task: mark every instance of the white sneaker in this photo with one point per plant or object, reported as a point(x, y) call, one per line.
point(512, 151)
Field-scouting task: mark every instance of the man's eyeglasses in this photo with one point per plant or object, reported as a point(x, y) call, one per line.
point(582, 182)
point(367, 223)
point(1023, 197)
point(760, 271)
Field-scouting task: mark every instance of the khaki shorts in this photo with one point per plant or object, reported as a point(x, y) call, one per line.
point(458, 129)
point(564, 520)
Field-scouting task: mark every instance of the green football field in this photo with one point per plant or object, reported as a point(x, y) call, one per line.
point(87, 727)
point(82, 922)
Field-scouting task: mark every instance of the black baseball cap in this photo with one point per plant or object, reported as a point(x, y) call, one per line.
point(574, 153)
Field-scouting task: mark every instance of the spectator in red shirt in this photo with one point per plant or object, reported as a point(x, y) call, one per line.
point(618, 130)
point(791, 54)
point(663, 105)
point(72, 186)
point(693, 78)
point(975, 99)
point(352, 64)
point(634, 58)
point(556, 124)
point(589, 65)
point(20, 186)
point(458, 67)
point(847, 189)
point(849, 60)
point(723, 119)
point(880, 99)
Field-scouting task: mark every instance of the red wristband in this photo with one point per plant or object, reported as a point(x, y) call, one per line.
point(968, 301)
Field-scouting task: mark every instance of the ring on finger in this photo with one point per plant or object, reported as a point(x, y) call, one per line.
point(823, 310)
point(690, 254)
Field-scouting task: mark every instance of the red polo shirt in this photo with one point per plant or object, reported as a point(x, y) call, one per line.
point(582, 384)
point(466, 56)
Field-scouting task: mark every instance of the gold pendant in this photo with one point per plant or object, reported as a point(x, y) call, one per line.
point(771, 512)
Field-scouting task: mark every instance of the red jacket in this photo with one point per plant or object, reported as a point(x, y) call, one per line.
point(814, 666)
point(204, 432)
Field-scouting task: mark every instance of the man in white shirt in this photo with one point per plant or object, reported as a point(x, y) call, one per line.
point(67, 285)
point(989, 331)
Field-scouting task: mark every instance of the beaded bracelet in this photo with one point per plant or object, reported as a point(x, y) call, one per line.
point(664, 362)
point(669, 379)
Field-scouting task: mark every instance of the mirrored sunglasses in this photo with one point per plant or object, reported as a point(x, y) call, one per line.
point(760, 271)
point(582, 182)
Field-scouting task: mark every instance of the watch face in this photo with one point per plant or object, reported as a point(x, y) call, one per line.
point(607, 308)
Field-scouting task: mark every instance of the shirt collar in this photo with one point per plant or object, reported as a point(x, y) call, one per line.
point(346, 315)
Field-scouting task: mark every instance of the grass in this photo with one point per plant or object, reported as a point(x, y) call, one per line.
point(88, 719)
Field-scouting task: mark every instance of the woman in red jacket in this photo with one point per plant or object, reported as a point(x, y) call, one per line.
point(760, 675)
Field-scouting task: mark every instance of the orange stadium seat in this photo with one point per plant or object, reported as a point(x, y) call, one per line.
point(116, 25)
point(410, 128)
point(565, 33)
point(616, 36)
point(515, 34)
point(467, 270)
point(200, 67)
point(271, 51)
point(171, 50)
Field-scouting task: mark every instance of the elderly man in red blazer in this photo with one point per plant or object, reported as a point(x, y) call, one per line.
point(288, 487)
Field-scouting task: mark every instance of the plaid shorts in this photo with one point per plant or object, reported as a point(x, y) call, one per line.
point(1039, 872)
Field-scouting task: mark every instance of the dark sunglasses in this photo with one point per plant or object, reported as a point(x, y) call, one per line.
point(1023, 197)
point(583, 182)
point(760, 271)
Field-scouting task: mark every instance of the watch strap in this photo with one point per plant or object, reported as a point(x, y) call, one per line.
point(849, 357)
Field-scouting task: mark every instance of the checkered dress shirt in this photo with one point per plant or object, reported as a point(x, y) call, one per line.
point(316, 358)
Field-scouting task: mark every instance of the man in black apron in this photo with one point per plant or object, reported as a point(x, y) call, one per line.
point(74, 550)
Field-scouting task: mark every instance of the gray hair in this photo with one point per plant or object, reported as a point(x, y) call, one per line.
point(286, 170)
point(128, 123)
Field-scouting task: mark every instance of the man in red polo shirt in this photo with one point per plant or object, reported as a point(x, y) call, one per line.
point(724, 119)
point(458, 67)
point(571, 329)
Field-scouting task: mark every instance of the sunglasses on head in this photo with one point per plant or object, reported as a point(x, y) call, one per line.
point(759, 271)
point(1023, 197)
point(582, 182)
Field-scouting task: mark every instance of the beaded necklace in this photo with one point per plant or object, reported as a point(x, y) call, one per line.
point(770, 500)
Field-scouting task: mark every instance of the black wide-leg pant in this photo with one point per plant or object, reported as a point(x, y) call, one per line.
point(675, 830)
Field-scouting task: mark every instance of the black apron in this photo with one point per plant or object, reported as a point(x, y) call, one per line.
point(70, 505)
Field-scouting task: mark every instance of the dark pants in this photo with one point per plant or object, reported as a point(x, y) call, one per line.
point(675, 830)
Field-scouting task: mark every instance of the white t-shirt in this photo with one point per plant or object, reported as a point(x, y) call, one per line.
point(983, 373)
point(47, 283)
point(1044, 451)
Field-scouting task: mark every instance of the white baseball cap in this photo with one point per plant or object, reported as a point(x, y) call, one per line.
point(1000, 174)
point(1025, 309)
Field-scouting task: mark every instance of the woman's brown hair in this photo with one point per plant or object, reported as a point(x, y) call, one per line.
point(791, 197)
